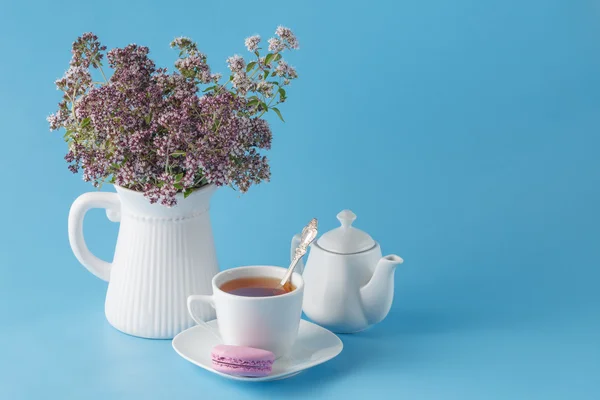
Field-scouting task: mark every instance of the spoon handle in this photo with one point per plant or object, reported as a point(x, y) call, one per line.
point(309, 233)
point(288, 274)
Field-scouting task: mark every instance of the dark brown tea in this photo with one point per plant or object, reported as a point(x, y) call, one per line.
point(256, 286)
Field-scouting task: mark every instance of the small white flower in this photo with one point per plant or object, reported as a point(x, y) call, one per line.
point(241, 82)
point(287, 35)
point(276, 45)
point(181, 41)
point(265, 88)
point(252, 42)
point(284, 69)
point(236, 63)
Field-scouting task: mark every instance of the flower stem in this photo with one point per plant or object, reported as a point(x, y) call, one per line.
point(251, 76)
point(268, 106)
point(102, 72)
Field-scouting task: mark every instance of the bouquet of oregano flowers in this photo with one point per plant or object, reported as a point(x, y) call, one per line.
point(163, 133)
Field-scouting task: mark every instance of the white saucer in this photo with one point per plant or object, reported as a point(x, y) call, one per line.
point(314, 346)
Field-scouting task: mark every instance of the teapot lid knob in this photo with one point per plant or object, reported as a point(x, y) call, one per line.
point(346, 218)
point(346, 239)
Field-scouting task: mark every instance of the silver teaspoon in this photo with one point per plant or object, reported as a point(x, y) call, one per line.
point(309, 233)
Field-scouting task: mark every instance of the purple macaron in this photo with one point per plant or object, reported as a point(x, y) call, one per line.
point(242, 361)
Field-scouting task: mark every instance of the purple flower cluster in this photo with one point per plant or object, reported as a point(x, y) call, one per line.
point(153, 132)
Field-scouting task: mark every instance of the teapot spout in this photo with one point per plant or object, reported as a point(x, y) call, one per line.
point(378, 293)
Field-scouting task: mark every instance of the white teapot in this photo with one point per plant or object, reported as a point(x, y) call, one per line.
point(349, 286)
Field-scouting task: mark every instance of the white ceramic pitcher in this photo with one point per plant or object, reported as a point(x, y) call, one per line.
point(162, 256)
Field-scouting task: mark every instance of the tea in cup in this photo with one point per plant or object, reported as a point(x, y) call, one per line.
point(260, 286)
point(253, 309)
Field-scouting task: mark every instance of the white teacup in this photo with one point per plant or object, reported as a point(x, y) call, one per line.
point(269, 323)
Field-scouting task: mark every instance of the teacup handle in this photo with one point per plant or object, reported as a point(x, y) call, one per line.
point(85, 202)
point(204, 299)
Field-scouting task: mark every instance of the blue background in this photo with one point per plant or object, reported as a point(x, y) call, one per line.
point(464, 134)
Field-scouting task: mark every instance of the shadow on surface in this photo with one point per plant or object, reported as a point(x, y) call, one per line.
point(360, 351)
point(413, 334)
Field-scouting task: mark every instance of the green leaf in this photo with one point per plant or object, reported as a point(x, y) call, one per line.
point(209, 88)
point(187, 193)
point(85, 122)
point(264, 105)
point(177, 153)
point(278, 113)
point(250, 66)
point(178, 186)
point(268, 58)
point(278, 57)
point(253, 102)
point(281, 92)
point(178, 177)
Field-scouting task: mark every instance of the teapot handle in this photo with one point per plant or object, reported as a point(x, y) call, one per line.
point(295, 243)
point(85, 202)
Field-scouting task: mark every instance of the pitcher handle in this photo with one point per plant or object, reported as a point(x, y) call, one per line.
point(295, 243)
point(85, 202)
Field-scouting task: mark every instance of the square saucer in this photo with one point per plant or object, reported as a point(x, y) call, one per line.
point(314, 345)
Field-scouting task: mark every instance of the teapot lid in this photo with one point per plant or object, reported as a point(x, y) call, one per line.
point(346, 239)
